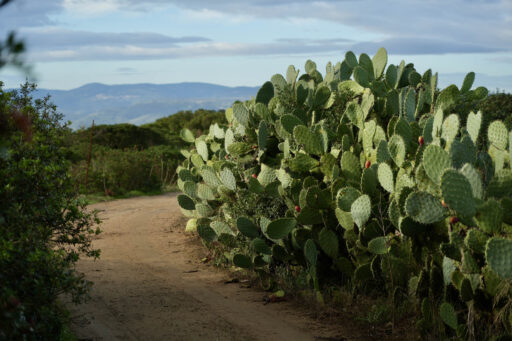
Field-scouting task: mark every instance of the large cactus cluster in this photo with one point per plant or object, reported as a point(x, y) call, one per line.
point(382, 180)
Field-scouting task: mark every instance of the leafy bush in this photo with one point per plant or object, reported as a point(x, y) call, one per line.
point(43, 226)
point(386, 190)
point(116, 171)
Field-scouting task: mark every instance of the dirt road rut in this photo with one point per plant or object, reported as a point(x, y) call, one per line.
point(151, 285)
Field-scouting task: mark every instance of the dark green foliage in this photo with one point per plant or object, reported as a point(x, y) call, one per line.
point(44, 227)
point(497, 107)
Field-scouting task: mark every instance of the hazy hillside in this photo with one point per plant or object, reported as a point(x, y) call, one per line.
point(140, 103)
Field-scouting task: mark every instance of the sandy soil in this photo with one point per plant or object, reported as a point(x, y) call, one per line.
point(150, 284)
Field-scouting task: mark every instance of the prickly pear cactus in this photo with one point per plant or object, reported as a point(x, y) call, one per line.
point(370, 175)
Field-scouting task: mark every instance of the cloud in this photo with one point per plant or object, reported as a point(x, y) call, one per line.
point(56, 38)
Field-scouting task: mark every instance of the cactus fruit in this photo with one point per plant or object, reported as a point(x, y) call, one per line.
point(367, 164)
point(254, 176)
point(421, 140)
point(454, 220)
point(297, 208)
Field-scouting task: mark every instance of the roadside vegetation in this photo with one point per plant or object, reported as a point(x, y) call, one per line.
point(365, 184)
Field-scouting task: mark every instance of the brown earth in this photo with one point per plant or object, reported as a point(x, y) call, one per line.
point(150, 284)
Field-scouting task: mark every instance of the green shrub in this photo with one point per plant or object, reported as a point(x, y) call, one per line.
point(44, 228)
point(385, 184)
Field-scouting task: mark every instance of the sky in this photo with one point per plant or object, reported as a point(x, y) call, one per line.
point(74, 42)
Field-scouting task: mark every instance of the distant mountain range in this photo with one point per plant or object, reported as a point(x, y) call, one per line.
point(140, 103)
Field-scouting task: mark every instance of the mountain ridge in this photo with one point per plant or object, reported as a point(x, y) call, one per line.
point(140, 103)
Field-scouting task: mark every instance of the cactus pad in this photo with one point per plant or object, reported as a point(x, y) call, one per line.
point(457, 193)
point(187, 136)
point(206, 233)
point(450, 128)
point(302, 163)
point(242, 261)
point(497, 134)
point(473, 124)
point(448, 315)
point(309, 216)
point(424, 208)
point(397, 149)
point(382, 152)
point(476, 240)
point(221, 228)
point(489, 216)
point(228, 179)
point(202, 149)
point(280, 228)
point(378, 245)
point(209, 176)
point(310, 252)
point(350, 166)
point(204, 210)
point(361, 210)
point(312, 142)
point(501, 184)
point(247, 227)
point(260, 246)
point(204, 192)
point(328, 242)
point(345, 219)
point(435, 161)
point(386, 178)
point(498, 254)
point(186, 202)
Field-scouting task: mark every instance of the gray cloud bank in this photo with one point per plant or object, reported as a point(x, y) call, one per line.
point(409, 27)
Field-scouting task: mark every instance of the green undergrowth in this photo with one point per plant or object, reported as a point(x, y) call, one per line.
point(101, 197)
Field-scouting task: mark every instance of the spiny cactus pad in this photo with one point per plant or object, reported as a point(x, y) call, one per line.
point(385, 176)
point(378, 245)
point(424, 208)
point(497, 134)
point(228, 179)
point(242, 261)
point(448, 315)
point(204, 192)
point(498, 254)
point(361, 210)
point(450, 128)
point(328, 242)
point(457, 193)
point(397, 149)
point(279, 228)
point(261, 246)
point(209, 176)
point(310, 252)
point(186, 202)
point(489, 216)
point(435, 161)
point(473, 124)
point(302, 163)
point(187, 136)
point(312, 142)
point(247, 227)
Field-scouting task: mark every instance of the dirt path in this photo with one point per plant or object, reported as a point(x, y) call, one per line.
point(151, 285)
